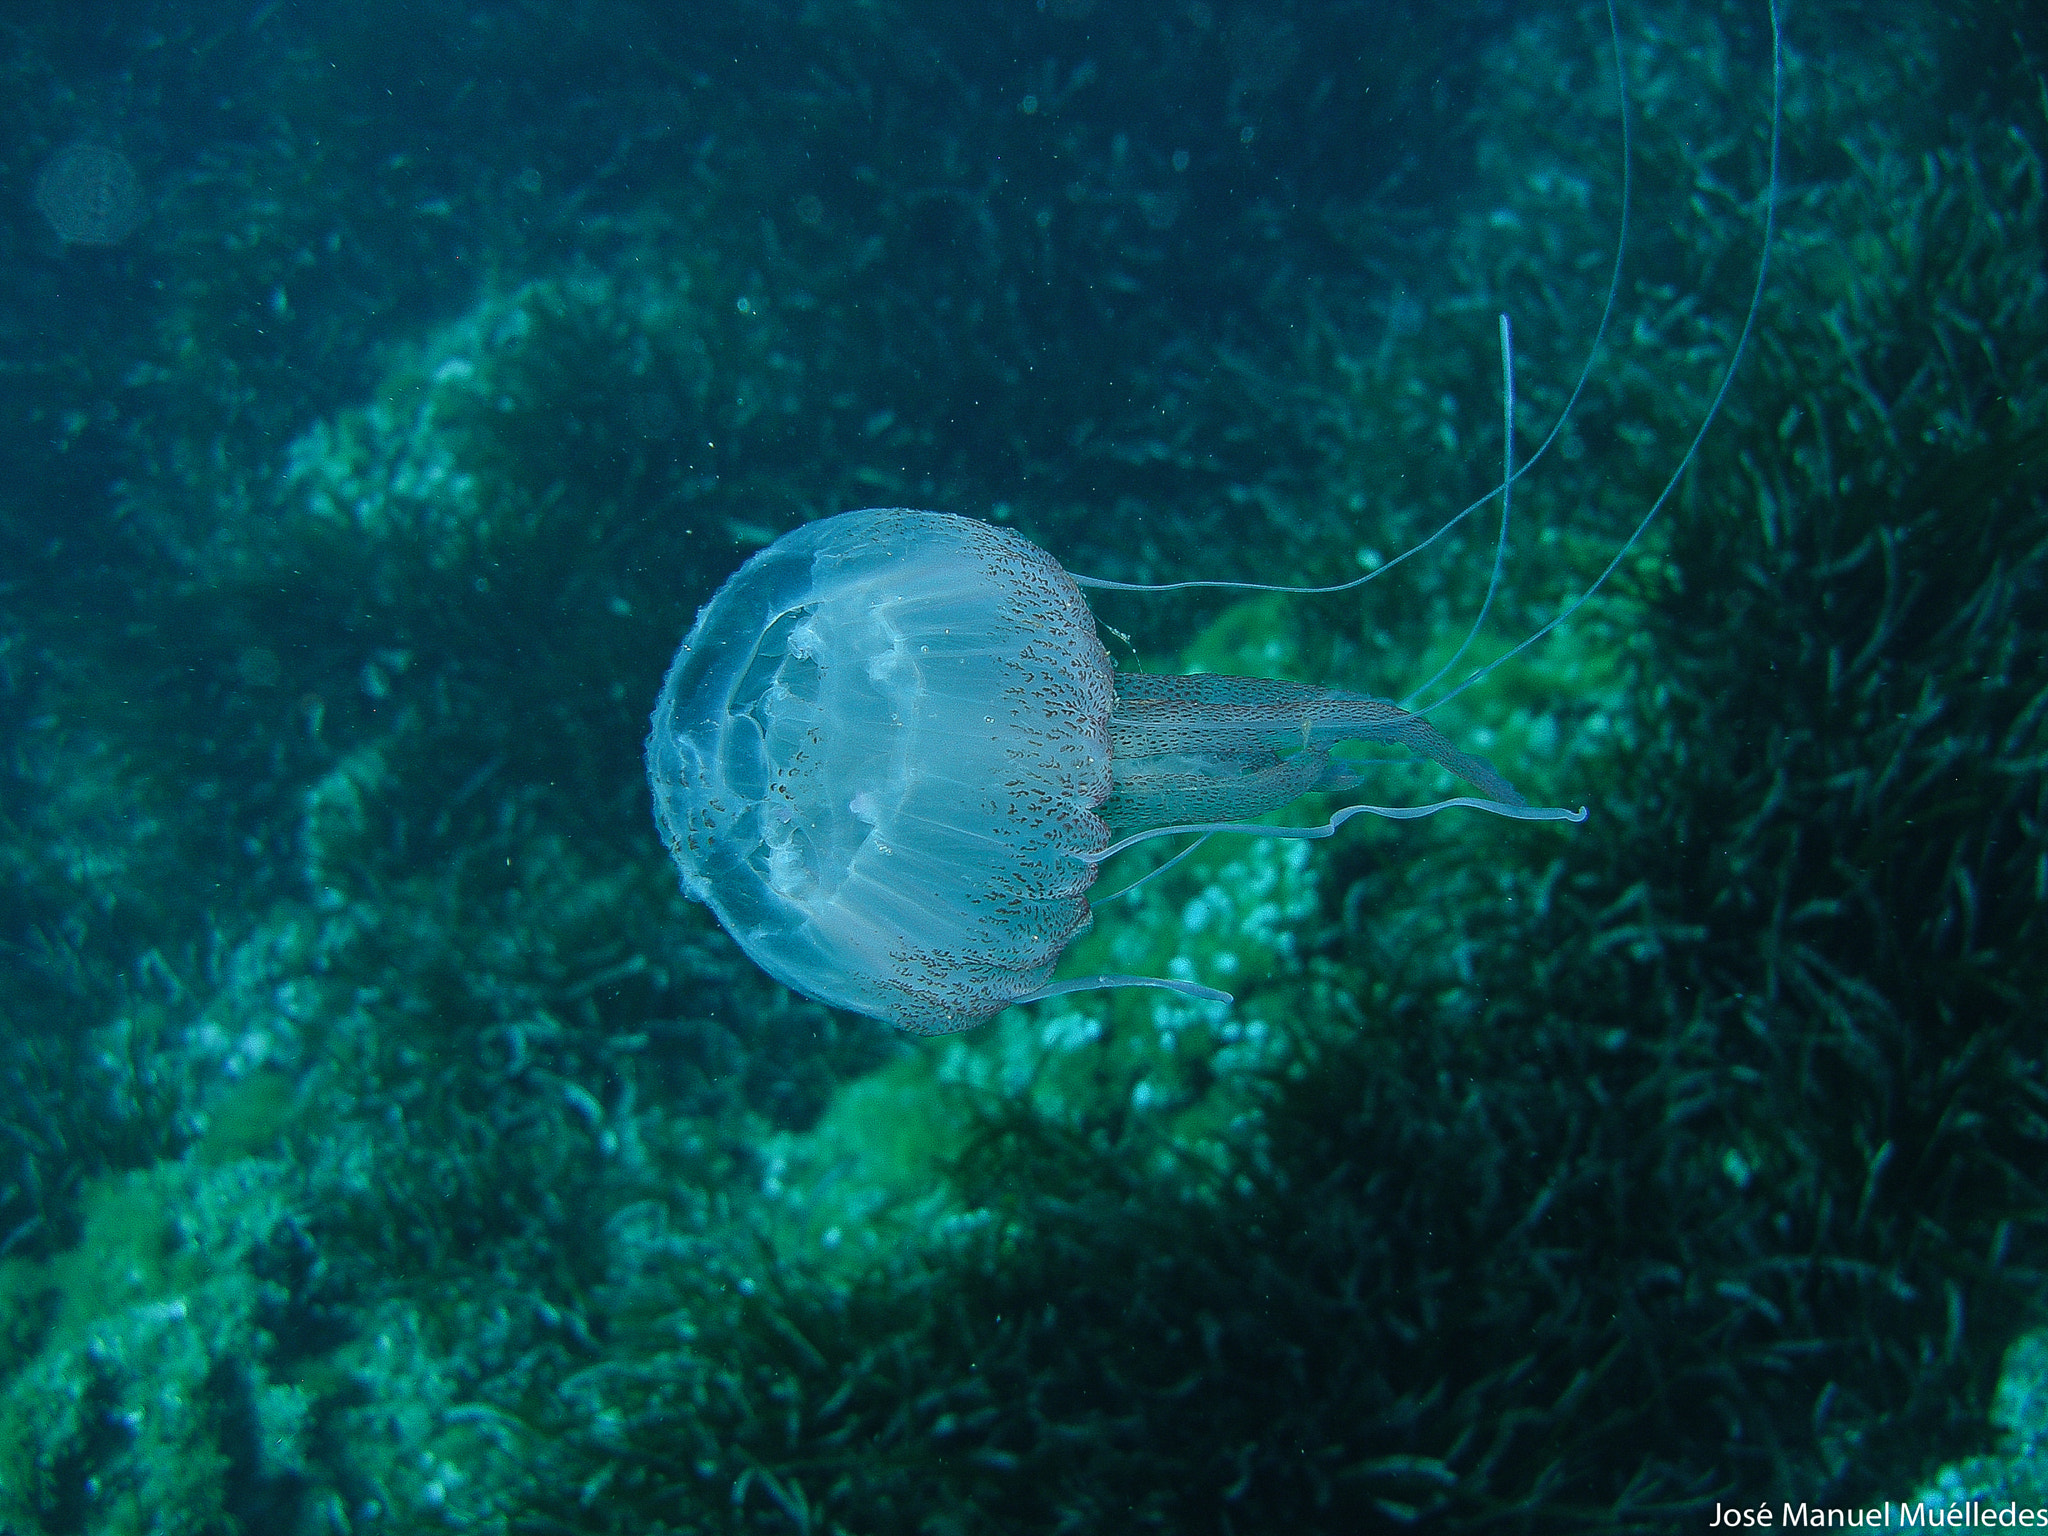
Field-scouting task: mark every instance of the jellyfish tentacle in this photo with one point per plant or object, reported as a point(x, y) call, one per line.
point(1507, 498)
point(1098, 983)
point(1756, 303)
point(1096, 903)
point(1103, 584)
point(1339, 817)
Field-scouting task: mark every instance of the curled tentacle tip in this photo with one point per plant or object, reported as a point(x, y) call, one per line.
point(1538, 812)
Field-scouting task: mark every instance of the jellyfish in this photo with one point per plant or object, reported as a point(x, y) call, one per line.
point(892, 753)
point(89, 194)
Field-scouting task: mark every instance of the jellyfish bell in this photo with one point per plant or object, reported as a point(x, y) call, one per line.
point(892, 753)
point(89, 194)
point(878, 758)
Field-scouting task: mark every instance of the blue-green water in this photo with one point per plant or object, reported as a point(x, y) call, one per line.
point(390, 1145)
